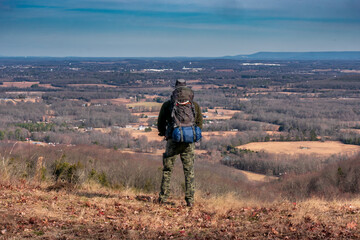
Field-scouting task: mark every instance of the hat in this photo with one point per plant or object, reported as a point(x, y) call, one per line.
point(180, 83)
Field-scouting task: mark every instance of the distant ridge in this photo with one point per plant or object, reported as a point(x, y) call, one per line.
point(311, 56)
point(351, 55)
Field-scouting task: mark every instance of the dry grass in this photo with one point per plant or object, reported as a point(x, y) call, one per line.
point(303, 147)
point(97, 213)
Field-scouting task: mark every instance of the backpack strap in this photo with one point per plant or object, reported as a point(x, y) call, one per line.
point(194, 133)
point(194, 111)
point(175, 123)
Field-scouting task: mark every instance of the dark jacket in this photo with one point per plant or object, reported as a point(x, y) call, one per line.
point(165, 117)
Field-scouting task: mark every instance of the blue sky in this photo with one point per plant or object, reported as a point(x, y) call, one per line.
point(167, 28)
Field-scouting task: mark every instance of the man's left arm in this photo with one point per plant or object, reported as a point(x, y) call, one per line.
point(161, 124)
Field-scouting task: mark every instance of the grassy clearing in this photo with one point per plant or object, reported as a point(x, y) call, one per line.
point(303, 147)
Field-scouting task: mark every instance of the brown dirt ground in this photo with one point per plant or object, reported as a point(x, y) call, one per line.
point(30, 212)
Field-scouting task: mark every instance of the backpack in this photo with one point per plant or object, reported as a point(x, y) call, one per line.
point(183, 116)
point(182, 107)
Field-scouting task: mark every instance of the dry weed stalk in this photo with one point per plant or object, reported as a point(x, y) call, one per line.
point(5, 162)
point(38, 171)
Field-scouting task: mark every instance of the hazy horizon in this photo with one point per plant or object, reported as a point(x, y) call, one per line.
point(150, 57)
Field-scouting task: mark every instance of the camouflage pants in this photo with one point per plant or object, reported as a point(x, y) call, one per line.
point(187, 155)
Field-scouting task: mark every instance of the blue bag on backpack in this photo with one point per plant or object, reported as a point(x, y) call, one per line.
point(188, 134)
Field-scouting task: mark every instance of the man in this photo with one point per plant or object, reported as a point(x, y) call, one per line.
point(186, 150)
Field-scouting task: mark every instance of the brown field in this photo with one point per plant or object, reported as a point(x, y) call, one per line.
point(256, 177)
point(303, 147)
point(115, 101)
point(18, 84)
point(151, 136)
point(221, 113)
point(273, 133)
point(203, 86)
point(157, 89)
point(324, 70)
point(33, 100)
point(151, 96)
point(350, 71)
point(48, 86)
point(189, 82)
point(148, 114)
point(27, 94)
point(92, 85)
point(219, 134)
point(144, 104)
point(143, 121)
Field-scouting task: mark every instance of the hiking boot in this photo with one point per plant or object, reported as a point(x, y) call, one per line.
point(165, 202)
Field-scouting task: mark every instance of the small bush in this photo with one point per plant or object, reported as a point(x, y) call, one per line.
point(99, 177)
point(62, 170)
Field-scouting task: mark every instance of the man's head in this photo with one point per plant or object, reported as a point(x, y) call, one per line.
point(180, 83)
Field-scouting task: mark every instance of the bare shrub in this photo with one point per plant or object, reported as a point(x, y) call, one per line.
point(337, 180)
